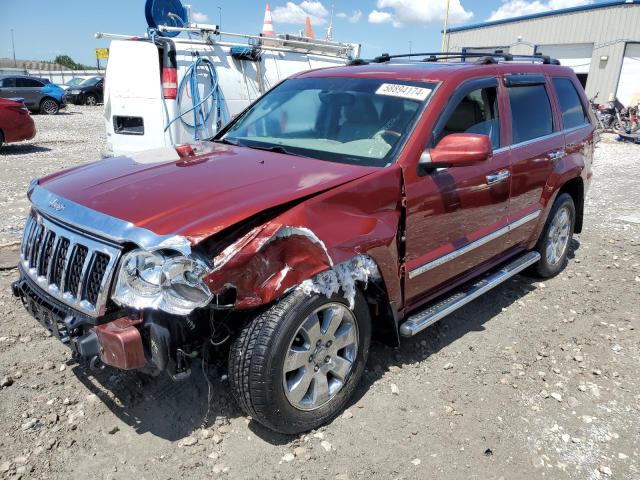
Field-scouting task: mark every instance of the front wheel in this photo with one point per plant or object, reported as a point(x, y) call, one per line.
point(294, 366)
point(49, 106)
point(555, 239)
point(91, 100)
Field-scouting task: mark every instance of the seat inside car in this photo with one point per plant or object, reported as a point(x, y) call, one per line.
point(361, 120)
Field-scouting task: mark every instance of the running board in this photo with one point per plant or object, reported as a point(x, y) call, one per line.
point(434, 312)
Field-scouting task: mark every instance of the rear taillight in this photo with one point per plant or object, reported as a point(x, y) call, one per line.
point(170, 83)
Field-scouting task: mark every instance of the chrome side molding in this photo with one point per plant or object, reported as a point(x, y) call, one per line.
point(421, 320)
point(473, 245)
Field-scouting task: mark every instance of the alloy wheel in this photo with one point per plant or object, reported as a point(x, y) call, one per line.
point(50, 107)
point(91, 100)
point(558, 236)
point(320, 357)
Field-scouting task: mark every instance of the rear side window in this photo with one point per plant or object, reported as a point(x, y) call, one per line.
point(573, 113)
point(531, 115)
point(28, 83)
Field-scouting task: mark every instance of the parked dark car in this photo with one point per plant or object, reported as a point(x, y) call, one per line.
point(89, 92)
point(40, 95)
point(15, 122)
point(347, 203)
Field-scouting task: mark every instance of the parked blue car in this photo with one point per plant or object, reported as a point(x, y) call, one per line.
point(40, 95)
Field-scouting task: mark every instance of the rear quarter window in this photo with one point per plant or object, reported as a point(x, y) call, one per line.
point(531, 114)
point(573, 112)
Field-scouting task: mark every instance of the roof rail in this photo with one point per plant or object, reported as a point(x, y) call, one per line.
point(482, 58)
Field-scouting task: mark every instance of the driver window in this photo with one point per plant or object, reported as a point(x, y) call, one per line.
point(476, 113)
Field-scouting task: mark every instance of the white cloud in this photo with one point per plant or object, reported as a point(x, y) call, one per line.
point(401, 12)
point(355, 16)
point(518, 8)
point(380, 17)
point(199, 17)
point(298, 12)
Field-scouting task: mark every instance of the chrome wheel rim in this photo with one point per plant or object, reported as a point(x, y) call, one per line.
point(320, 357)
point(558, 236)
point(91, 100)
point(49, 107)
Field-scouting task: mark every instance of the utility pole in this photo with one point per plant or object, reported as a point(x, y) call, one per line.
point(409, 47)
point(219, 21)
point(446, 25)
point(13, 46)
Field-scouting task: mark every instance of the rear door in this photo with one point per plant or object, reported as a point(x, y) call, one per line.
point(536, 143)
point(455, 215)
point(30, 89)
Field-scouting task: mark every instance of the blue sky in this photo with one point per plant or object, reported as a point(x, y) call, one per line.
point(46, 28)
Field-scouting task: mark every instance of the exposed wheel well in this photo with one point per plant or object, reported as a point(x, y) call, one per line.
point(575, 188)
point(383, 323)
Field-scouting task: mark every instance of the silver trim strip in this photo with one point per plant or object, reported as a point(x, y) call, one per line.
point(473, 245)
point(101, 225)
point(419, 321)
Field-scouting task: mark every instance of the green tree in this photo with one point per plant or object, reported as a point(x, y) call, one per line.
point(65, 60)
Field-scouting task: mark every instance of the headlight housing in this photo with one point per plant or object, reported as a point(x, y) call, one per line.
point(74, 92)
point(169, 282)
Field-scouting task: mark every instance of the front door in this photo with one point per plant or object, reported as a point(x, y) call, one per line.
point(29, 89)
point(454, 214)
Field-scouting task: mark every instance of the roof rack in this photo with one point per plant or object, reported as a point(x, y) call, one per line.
point(482, 58)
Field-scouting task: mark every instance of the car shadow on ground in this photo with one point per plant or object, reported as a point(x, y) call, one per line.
point(22, 149)
point(174, 410)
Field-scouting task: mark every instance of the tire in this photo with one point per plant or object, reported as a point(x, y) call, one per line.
point(91, 100)
point(49, 106)
point(1, 139)
point(257, 368)
point(555, 239)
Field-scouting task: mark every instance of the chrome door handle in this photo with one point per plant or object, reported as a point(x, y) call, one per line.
point(557, 155)
point(497, 177)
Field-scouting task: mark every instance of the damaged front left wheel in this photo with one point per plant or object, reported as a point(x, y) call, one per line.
point(295, 365)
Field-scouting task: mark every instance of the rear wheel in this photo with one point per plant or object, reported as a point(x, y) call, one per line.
point(553, 244)
point(296, 364)
point(91, 100)
point(49, 106)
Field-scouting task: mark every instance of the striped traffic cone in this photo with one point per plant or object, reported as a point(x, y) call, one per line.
point(267, 26)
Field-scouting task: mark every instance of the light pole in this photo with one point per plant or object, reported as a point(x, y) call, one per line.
point(446, 25)
point(13, 46)
point(219, 20)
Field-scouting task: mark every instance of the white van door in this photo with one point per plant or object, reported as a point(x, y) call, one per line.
point(133, 107)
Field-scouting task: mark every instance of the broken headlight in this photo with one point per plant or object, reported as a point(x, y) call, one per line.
point(172, 283)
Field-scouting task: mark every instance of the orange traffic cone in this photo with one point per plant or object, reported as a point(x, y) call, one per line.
point(267, 26)
point(309, 29)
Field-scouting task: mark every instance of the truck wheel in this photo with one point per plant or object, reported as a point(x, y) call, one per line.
point(554, 241)
point(49, 106)
point(294, 366)
point(91, 100)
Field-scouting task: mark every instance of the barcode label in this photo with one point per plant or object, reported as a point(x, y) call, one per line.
point(404, 91)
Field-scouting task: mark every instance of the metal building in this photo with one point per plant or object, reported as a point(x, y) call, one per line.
point(601, 42)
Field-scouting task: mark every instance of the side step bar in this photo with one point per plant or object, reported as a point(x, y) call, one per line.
point(434, 312)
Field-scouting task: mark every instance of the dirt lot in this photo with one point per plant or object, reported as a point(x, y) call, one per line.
point(535, 380)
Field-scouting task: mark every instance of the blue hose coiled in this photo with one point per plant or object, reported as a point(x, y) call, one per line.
point(201, 108)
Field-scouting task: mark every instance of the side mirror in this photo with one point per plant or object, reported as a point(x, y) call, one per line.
point(457, 150)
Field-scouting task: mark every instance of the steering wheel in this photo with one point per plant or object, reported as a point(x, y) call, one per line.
point(381, 134)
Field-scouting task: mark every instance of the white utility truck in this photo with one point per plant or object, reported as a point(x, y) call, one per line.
point(162, 91)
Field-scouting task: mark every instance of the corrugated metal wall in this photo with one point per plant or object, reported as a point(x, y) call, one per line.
point(607, 28)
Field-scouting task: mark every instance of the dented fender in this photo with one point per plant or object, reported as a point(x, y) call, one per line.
point(357, 219)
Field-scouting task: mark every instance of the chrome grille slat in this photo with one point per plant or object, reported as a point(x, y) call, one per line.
point(62, 262)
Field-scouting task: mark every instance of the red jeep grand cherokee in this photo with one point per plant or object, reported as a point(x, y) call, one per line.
point(364, 200)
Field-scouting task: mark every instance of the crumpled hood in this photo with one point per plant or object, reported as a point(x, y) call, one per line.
point(196, 196)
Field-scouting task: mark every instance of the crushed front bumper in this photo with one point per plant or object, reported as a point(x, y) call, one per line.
point(122, 339)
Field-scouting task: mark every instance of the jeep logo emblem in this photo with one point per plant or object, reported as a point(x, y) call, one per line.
point(56, 204)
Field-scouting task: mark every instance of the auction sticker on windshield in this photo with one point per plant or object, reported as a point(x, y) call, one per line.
point(403, 91)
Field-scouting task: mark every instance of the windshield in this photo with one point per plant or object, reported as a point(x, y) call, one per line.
point(75, 81)
point(90, 82)
point(351, 120)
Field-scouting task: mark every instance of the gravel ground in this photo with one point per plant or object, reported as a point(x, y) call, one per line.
point(534, 380)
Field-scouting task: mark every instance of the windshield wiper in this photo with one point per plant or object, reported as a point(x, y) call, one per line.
point(226, 142)
point(275, 149)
